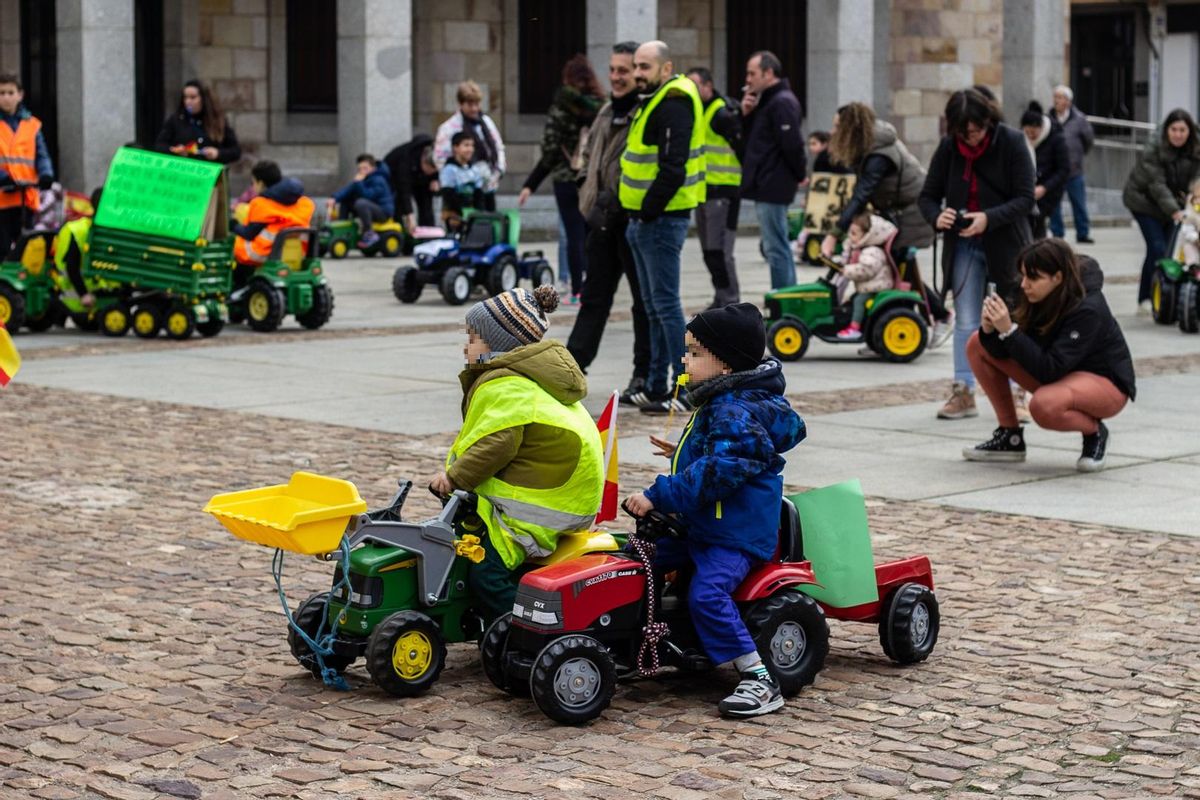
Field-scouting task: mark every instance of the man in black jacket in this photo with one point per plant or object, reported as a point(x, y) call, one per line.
point(717, 216)
point(773, 164)
point(662, 180)
point(414, 178)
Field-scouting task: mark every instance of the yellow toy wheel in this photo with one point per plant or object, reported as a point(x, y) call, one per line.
point(1164, 298)
point(339, 248)
point(179, 323)
point(406, 653)
point(787, 339)
point(146, 322)
point(12, 307)
point(812, 249)
point(391, 244)
point(899, 334)
point(115, 320)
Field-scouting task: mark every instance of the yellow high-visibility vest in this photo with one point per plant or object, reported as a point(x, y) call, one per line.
point(721, 165)
point(639, 162)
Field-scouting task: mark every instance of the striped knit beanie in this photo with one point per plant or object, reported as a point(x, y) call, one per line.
point(513, 319)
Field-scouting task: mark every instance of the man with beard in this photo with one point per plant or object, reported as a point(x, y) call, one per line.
point(607, 250)
point(662, 180)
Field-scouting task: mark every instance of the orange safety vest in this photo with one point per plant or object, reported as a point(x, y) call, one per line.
point(276, 217)
point(18, 157)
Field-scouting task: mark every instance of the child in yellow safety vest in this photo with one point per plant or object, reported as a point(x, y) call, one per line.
point(69, 246)
point(528, 448)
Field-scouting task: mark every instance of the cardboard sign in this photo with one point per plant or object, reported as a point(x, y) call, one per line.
point(837, 541)
point(828, 195)
point(164, 195)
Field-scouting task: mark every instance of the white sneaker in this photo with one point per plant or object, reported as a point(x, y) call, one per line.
point(1145, 309)
point(941, 332)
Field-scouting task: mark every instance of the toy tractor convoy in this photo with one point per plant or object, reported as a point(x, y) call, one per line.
point(484, 253)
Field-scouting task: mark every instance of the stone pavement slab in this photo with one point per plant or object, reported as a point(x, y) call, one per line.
point(146, 653)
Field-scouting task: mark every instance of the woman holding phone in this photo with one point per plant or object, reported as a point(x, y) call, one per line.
point(1063, 345)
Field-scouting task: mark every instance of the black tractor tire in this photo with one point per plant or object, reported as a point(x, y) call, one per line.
point(47, 320)
point(391, 245)
point(115, 320)
point(309, 616)
point(179, 322)
point(456, 286)
point(264, 306)
point(1188, 313)
point(503, 275)
point(543, 275)
point(492, 648)
point(406, 654)
point(909, 623)
point(12, 308)
point(321, 309)
point(1164, 298)
point(788, 339)
point(899, 335)
point(790, 632)
point(406, 284)
point(573, 679)
point(147, 321)
point(210, 328)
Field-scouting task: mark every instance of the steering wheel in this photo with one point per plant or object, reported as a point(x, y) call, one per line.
point(654, 525)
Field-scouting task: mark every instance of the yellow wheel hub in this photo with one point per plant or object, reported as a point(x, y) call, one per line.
point(115, 320)
point(392, 245)
point(1156, 297)
point(412, 655)
point(258, 307)
point(902, 336)
point(143, 322)
point(339, 248)
point(5, 309)
point(788, 340)
point(177, 323)
point(812, 247)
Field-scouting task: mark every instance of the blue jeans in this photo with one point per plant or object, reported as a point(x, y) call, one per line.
point(1077, 194)
point(970, 281)
point(1156, 233)
point(772, 220)
point(719, 570)
point(564, 253)
point(656, 246)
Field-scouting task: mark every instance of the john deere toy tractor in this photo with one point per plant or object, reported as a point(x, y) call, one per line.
point(27, 288)
point(894, 327)
point(339, 236)
point(1175, 288)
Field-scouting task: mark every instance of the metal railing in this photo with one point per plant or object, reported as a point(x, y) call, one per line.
point(1118, 143)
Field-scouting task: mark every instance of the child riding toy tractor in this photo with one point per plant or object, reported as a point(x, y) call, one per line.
point(577, 626)
point(1175, 287)
point(484, 253)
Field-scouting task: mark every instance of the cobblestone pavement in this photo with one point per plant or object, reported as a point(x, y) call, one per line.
point(145, 655)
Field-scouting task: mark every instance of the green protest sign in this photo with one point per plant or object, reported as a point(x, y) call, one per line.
point(837, 541)
point(161, 195)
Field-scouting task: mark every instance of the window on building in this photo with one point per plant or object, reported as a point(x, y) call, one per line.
point(549, 33)
point(39, 68)
point(312, 56)
point(777, 25)
point(1102, 51)
point(148, 69)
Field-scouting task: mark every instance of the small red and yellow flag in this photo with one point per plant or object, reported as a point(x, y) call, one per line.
point(607, 425)
point(10, 359)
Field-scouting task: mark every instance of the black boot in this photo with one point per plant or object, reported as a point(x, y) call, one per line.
point(1006, 444)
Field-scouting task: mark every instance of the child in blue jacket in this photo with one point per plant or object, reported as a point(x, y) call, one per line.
point(726, 484)
point(368, 197)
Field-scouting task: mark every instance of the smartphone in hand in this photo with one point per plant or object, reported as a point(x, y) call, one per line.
point(991, 289)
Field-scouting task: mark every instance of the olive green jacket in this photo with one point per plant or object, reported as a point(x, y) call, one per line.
point(1159, 181)
point(533, 456)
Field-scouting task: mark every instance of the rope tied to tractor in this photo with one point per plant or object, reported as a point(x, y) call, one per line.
point(321, 645)
point(654, 632)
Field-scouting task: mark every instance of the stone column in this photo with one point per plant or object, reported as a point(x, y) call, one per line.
point(96, 87)
point(374, 62)
point(881, 72)
point(612, 21)
point(1033, 54)
point(841, 57)
point(10, 36)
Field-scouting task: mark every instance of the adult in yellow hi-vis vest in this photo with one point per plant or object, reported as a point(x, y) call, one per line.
point(528, 448)
point(662, 180)
point(280, 204)
point(717, 216)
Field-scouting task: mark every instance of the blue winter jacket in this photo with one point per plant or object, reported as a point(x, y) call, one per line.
point(726, 478)
point(376, 187)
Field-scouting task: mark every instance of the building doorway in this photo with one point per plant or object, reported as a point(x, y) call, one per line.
point(1102, 52)
point(780, 26)
point(148, 69)
point(39, 68)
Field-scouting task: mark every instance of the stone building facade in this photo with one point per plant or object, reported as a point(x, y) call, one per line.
point(398, 62)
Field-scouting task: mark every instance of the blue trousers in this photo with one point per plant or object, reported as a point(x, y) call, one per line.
point(772, 220)
point(656, 246)
point(970, 282)
point(1077, 194)
point(718, 572)
point(1157, 234)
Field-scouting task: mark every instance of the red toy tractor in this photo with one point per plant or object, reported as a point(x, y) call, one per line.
point(579, 626)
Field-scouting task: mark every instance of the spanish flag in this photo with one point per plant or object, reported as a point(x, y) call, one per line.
point(10, 361)
point(607, 425)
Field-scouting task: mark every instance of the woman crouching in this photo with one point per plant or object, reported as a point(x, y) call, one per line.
point(1063, 345)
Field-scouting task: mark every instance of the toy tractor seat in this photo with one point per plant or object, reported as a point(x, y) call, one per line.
point(33, 250)
point(484, 229)
point(292, 245)
point(791, 542)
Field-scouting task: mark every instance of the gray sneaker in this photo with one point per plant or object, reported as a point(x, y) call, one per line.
point(753, 697)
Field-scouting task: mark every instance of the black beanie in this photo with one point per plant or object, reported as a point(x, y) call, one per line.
point(734, 334)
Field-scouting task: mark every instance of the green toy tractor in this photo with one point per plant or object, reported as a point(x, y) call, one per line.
point(339, 236)
point(1175, 289)
point(27, 287)
point(291, 281)
point(895, 325)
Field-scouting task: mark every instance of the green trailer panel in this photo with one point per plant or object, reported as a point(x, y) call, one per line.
point(164, 196)
point(141, 261)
